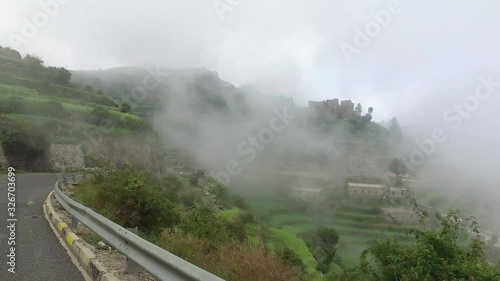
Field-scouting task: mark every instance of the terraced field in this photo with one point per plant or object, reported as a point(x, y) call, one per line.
point(357, 224)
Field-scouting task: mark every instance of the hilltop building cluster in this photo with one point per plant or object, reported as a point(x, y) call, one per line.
point(333, 107)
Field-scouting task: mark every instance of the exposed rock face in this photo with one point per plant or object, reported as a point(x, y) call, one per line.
point(61, 158)
point(117, 152)
point(65, 157)
point(143, 153)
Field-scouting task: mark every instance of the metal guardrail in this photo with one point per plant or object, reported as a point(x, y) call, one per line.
point(153, 259)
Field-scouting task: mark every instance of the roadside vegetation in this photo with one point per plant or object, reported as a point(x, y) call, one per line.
point(222, 235)
point(212, 231)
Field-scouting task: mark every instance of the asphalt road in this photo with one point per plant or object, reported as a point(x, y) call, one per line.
point(39, 254)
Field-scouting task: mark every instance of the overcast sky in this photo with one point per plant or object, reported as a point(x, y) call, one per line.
point(290, 47)
point(418, 64)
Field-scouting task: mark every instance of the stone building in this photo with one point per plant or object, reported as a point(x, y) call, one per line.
point(346, 108)
point(375, 191)
point(367, 190)
point(332, 107)
point(397, 192)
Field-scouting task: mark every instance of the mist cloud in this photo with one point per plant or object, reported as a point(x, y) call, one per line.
point(425, 61)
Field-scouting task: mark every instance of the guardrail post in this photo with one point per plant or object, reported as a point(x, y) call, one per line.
point(74, 178)
point(131, 265)
point(74, 222)
point(65, 180)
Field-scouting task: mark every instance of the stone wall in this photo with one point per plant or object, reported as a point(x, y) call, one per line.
point(113, 153)
point(116, 152)
point(62, 158)
point(65, 157)
point(3, 160)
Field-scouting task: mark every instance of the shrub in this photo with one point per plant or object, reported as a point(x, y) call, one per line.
point(98, 116)
point(442, 253)
point(131, 199)
point(246, 217)
point(290, 258)
point(124, 107)
point(56, 109)
point(233, 261)
point(202, 223)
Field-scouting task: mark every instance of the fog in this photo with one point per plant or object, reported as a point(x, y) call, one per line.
point(427, 58)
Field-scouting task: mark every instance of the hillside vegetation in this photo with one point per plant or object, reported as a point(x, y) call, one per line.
point(193, 217)
point(198, 219)
point(39, 106)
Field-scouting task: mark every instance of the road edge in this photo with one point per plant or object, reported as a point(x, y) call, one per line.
point(84, 256)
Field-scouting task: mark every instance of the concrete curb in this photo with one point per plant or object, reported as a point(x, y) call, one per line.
point(87, 259)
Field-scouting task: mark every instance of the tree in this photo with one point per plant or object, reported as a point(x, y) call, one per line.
point(124, 107)
point(59, 75)
point(98, 116)
point(33, 62)
point(328, 239)
point(368, 116)
point(9, 52)
point(444, 253)
point(62, 76)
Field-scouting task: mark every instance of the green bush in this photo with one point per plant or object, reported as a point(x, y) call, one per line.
point(132, 199)
point(124, 107)
point(290, 258)
point(98, 116)
point(202, 223)
point(56, 109)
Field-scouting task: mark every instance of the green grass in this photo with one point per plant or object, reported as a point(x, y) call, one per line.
point(74, 129)
point(92, 239)
point(123, 116)
point(350, 252)
point(266, 205)
point(286, 239)
point(356, 214)
point(279, 220)
point(230, 214)
point(254, 232)
point(9, 91)
point(297, 228)
point(354, 223)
